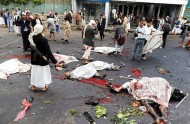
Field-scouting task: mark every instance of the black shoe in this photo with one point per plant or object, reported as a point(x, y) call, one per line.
point(66, 41)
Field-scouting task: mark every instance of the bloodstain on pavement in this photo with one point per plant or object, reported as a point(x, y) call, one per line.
point(136, 72)
point(26, 56)
point(104, 100)
point(98, 82)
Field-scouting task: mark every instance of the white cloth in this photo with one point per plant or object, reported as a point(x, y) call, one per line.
point(87, 52)
point(141, 32)
point(2, 22)
point(106, 50)
point(40, 76)
point(38, 28)
point(12, 66)
point(100, 65)
point(84, 72)
point(17, 29)
point(65, 58)
point(177, 30)
point(153, 41)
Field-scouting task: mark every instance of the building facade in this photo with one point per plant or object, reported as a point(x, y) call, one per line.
point(139, 8)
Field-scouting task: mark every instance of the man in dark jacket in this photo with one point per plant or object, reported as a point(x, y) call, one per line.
point(40, 56)
point(102, 25)
point(88, 39)
point(25, 31)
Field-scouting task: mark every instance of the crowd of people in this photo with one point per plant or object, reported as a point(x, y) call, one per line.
point(32, 28)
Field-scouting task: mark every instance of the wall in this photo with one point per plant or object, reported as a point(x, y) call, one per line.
point(58, 6)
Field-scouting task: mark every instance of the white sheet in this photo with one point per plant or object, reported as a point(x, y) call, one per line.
point(153, 41)
point(65, 58)
point(84, 72)
point(100, 65)
point(12, 66)
point(105, 50)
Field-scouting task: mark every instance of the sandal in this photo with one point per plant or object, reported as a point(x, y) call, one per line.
point(32, 88)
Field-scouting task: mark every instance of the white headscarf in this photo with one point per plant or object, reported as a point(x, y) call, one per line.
point(91, 24)
point(38, 28)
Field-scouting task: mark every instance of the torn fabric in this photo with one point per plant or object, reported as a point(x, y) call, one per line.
point(156, 89)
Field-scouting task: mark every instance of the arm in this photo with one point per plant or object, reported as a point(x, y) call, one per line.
point(49, 53)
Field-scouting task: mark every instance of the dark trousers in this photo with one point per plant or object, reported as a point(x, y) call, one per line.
point(26, 43)
point(102, 33)
point(164, 39)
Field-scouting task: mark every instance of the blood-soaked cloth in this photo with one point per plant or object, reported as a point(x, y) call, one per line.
point(156, 89)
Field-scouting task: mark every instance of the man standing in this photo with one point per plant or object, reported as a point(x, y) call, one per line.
point(166, 29)
point(88, 40)
point(102, 25)
point(67, 30)
point(25, 31)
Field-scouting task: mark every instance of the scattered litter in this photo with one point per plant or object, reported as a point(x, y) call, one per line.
point(181, 101)
point(136, 104)
point(92, 102)
point(89, 118)
point(26, 103)
point(73, 112)
point(100, 111)
point(122, 64)
point(143, 108)
point(165, 57)
point(47, 101)
point(136, 72)
point(161, 70)
point(110, 79)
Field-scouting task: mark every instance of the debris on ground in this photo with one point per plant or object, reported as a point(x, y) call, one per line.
point(124, 116)
point(89, 118)
point(161, 70)
point(73, 112)
point(100, 111)
point(136, 104)
point(93, 102)
point(47, 101)
point(136, 72)
point(26, 103)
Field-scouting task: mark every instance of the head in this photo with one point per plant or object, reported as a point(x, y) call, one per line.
point(12, 9)
point(36, 16)
point(38, 28)
point(66, 74)
point(23, 15)
point(149, 22)
point(92, 23)
point(138, 85)
point(56, 14)
point(42, 13)
point(141, 23)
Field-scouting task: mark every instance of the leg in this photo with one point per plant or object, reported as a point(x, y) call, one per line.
point(135, 50)
point(150, 109)
point(8, 24)
point(53, 36)
point(164, 40)
point(24, 41)
point(141, 44)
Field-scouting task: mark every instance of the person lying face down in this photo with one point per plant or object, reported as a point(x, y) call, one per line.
point(150, 93)
point(90, 70)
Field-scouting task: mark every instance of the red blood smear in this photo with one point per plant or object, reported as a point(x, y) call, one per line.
point(136, 72)
point(98, 82)
point(104, 100)
point(19, 56)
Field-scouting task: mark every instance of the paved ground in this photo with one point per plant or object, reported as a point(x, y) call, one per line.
point(66, 95)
